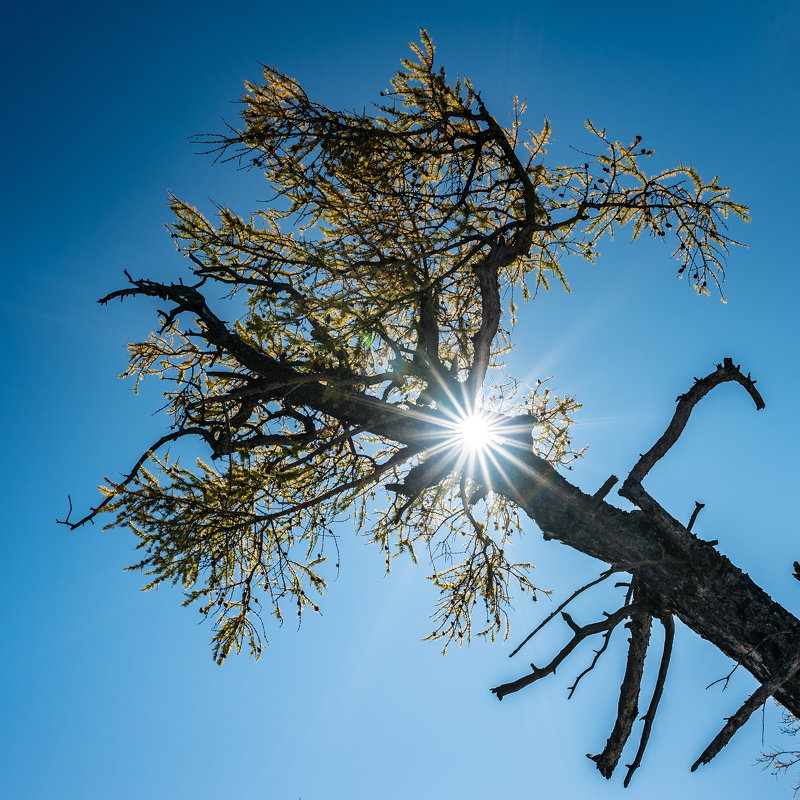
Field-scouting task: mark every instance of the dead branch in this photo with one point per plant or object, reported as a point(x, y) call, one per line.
point(632, 487)
point(669, 638)
point(628, 706)
point(698, 507)
point(579, 634)
point(592, 664)
point(738, 663)
point(606, 487)
point(561, 607)
point(757, 699)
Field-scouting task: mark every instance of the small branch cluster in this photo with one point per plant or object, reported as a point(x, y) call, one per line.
point(781, 761)
point(579, 633)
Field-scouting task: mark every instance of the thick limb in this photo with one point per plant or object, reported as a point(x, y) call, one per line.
point(628, 706)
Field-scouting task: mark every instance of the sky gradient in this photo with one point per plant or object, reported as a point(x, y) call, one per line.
point(107, 692)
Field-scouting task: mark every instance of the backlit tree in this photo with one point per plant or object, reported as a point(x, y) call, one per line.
point(353, 372)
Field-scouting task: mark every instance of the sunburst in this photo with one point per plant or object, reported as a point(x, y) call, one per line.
point(475, 432)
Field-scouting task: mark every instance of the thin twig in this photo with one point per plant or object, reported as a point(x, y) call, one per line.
point(561, 607)
point(738, 664)
point(597, 653)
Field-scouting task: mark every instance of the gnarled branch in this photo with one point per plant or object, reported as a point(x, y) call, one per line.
point(758, 698)
point(580, 632)
point(663, 667)
point(632, 487)
point(628, 706)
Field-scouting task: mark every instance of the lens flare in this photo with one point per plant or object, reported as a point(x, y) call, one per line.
point(475, 432)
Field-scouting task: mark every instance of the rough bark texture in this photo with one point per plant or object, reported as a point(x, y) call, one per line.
point(628, 706)
point(679, 573)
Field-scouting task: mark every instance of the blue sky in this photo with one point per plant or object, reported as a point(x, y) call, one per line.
point(108, 692)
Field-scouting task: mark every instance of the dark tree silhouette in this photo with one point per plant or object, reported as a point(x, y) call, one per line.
point(367, 308)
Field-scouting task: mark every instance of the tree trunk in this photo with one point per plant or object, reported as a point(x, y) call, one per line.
point(679, 573)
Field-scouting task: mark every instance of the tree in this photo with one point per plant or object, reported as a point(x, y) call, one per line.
point(373, 301)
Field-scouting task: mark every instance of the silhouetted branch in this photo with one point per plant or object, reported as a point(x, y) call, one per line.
point(606, 487)
point(698, 507)
point(561, 607)
point(782, 760)
point(669, 638)
point(170, 437)
point(632, 487)
point(758, 698)
point(727, 678)
point(597, 653)
point(486, 274)
point(628, 706)
point(579, 634)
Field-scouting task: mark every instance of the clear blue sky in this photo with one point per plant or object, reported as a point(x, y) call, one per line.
point(108, 692)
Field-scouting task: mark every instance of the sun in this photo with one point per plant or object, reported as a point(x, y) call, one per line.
point(475, 432)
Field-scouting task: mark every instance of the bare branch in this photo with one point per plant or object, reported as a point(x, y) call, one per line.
point(758, 698)
point(669, 638)
point(579, 634)
point(601, 493)
point(726, 678)
point(561, 607)
point(631, 488)
point(592, 664)
point(698, 507)
point(628, 706)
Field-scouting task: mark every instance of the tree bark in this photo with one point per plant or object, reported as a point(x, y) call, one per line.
point(679, 573)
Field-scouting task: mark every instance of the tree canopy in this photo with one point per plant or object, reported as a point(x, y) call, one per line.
point(353, 371)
